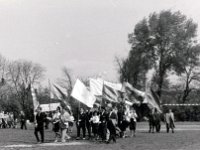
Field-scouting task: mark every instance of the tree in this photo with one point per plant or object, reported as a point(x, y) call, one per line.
point(189, 71)
point(67, 81)
point(3, 67)
point(4, 89)
point(159, 42)
point(22, 74)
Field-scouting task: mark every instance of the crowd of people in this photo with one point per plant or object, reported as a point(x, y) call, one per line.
point(102, 124)
point(7, 120)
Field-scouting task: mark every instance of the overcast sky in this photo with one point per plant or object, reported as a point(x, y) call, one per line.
point(83, 35)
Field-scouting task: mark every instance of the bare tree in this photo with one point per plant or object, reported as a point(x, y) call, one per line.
point(4, 88)
point(191, 78)
point(66, 81)
point(21, 74)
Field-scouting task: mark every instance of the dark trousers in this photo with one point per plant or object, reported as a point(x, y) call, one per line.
point(112, 129)
point(103, 131)
point(151, 126)
point(88, 126)
point(95, 129)
point(41, 130)
point(158, 127)
point(23, 125)
point(168, 126)
point(80, 127)
point(112, 137)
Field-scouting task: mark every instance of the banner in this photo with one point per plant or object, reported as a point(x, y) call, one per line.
point(130, 92)
point(96, 86)
point(57, 92)
point(150, 100)
point(49, 107)
point(149, 97)
point(128, 88)
point(116, 86)
point(111, 94)
point(60, 92)
point(82, 94)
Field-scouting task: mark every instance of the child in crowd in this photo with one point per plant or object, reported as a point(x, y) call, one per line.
point(95, 120)
point(133, 120)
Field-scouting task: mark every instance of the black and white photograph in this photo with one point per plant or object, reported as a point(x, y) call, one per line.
point(99, 75)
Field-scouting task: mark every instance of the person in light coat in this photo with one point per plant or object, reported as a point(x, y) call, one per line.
point(169, 119)
point(56, 123)
point(65, 118)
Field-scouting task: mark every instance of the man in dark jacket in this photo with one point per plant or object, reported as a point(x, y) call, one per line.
point(111, 125)
point(104, 117)
point(88, 116)
point(39, 124)
point(81, 124)
point(22, 120)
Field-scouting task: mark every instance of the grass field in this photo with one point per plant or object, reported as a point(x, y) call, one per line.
point(186, 137)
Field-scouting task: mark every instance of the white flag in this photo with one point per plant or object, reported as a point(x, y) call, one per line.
point(82, 94)
point(96, 87)
point(116, 86)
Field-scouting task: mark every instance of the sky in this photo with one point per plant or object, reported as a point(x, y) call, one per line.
point(82, 35)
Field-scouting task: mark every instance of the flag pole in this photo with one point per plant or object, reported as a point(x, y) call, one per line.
point(49, 93)
point(34, 114)
point(103, 101)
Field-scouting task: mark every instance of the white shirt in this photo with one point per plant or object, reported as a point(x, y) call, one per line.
point(95, 119)
point(169, 116)
point(56, 117)
point(131, 115)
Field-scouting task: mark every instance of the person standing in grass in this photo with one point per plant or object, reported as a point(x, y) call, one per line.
point(56, 123)
point(71, 124)
point(157, 120)
point(104, 117)
point(95, 120)
point(133, 120)
point(22, 118)
point(111, 125)
point(151, 120)
point(169, 119)
point(88, 116)
point(81, 124)
point(39, 124)
point(64, 124)
point(125, 123)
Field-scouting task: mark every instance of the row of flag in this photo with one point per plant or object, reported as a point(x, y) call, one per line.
point(112, 92)
point(99, 89)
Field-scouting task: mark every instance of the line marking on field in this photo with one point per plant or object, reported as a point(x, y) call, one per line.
point(44, 145)
point(176, 129)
